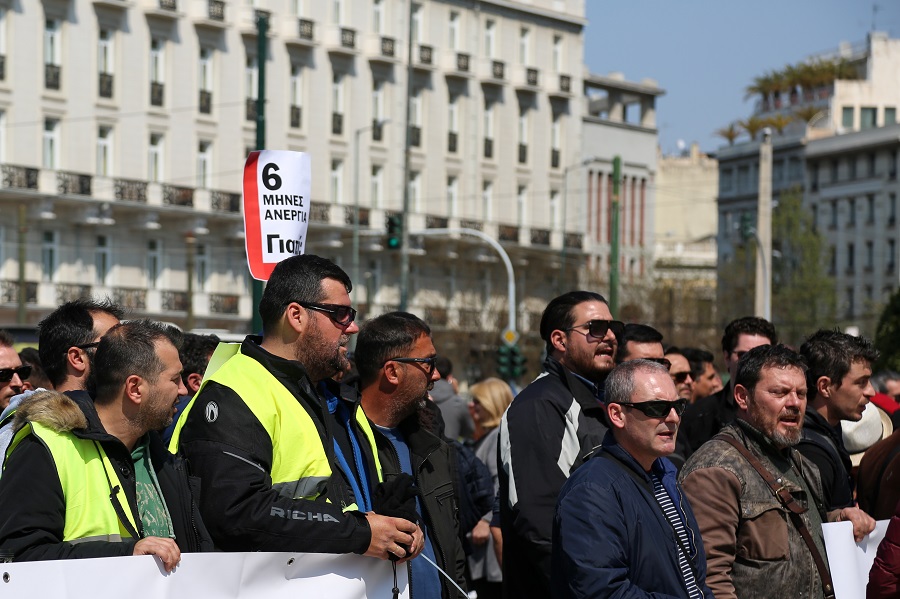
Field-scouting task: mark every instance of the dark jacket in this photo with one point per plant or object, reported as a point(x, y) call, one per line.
point(545, 434)
point(435, 474)
point(702, 420)
point(611, 537)
point(884, 577)
point(233, 457)
point(823, 445)
point(878, 493)
point(455, 412)
point(32, 500)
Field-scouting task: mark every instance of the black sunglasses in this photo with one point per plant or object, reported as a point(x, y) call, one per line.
point(430, 362)
point(664, 361)
point(343, 315)
point(680, 377)
point(658, 408)
point(6, 374)
point(598, 328)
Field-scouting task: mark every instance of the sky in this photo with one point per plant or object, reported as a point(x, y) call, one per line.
point(704, 53)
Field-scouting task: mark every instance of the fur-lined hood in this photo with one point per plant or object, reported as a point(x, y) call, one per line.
point(52, 409)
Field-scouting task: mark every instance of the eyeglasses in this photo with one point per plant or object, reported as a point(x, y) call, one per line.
point(664, 361)
point(87, 346)
point(658, 408)
point(6, 374)
point(342, 315)
point(680, 377)
point(430, 362)
point(598, 328)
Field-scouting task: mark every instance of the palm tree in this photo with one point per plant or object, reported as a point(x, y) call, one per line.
point(806, 113)
point(762, 85)
point(730, 133)
point(779, 122)
point(752, 125)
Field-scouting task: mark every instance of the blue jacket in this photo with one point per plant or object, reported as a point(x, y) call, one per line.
point(610, 537)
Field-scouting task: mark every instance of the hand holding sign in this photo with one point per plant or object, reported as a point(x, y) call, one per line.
point(276, 208)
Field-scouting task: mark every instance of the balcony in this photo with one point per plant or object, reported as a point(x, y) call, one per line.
point(488, 147)
point(523, 153)
point(526, 79)
point(337, 123)
point(73, 183)
point(216, 10)
point(574, 240)
point(174, 301)
point(225, 201)
point(377, 130)
point(564, 87)
point(340, 40)
point(299, 32)
point(223, 303)
point(52, 73)
point(165, 9)
point(9, 292)
point(250, 109)
point(415, 136)
point(319, 212)
point(350, 216)
point(471, 224)
point(168, 4)
point(205, 102)
point(381, 48)
point(540, 237)
point(174, 195)
point(105, 85)
point(452, 141)
point(493, 72)
point(67, 292)
point(554, 158)
point(130, 298)
point(19, 177)
point(425, 56)
point(436, 222)
point(131, 190)
point(296, 114)
point(508, 233)
point(157, 91)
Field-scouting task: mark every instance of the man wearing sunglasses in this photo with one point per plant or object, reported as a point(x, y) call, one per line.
point(12, 373)
point(286, 456)
point(396, 360)
point(548, 430)
point(627, 492)
point(680, 371)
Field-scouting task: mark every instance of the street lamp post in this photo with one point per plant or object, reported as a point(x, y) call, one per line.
point(355, 266)
point(562, 254)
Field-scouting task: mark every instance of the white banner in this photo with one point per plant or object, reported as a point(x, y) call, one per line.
point(848, 560)
point(203, 575)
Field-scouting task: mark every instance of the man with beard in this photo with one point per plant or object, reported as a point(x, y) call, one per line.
point(57, 497)
point(753, 539)
point(287, 462)
point(12, 373)
point(548, 431)
point(396, 360)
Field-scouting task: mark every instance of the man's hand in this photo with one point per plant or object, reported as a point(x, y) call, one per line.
point(165, 549)
point(481, 533)
point(863, 523)
point(391, 536)
point(497, 535)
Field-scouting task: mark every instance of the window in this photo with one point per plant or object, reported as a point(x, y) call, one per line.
point(378, 100)
point(415, 199)
point(558, 53)
point(101, 260)
point(2, 35)
point(555, 132)
point(452, 196)
point(155, 158)
point(489, 38)
point(890, 115)
point(891, 254)
point(523, 134)
point(850, 306)
point(377, 198)
point(296, 92)
point(554, 209)
point(378, 16)
point(487, 192)
point(851, 168)
point(521, 204)
point(892, 209)
point(870, 209)
point(834, 171)
point(51, 143)
point(417, 23)
point(488, 119)
point(851, 257)
point(206, 70)
point(337, 11)
point(524, 45)
point(870, 255)
point(202, 270)
point(453, 114)
point(105, 52)
point(847, 117)
point(157, 60)
point(851, 212)
point(49, 251)
point(251, 78)
point(52, 42)
point(337, 93)
point(154, 262)
point(104, 151)
point(2, 136)
point(337, 181)
point(834, 214)
point(204, 164)
point(867, 117)
point(453, 37)
point(415, 107)
point(298, 7)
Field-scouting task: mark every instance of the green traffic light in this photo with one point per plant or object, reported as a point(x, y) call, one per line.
point(394, 232)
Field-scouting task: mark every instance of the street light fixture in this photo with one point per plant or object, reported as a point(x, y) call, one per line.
point(356, 135)
point(562, 254)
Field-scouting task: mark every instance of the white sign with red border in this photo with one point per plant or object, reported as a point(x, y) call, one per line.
point(276, 208)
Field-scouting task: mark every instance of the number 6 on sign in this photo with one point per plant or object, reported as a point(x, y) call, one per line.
point(276, 208)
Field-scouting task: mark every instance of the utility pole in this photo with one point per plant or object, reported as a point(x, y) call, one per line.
point(404, 216)
point(614, 242)
point(762, 305)
point(22, 296)
point(262, 30)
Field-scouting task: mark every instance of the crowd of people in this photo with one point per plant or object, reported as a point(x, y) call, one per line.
point(628, 467)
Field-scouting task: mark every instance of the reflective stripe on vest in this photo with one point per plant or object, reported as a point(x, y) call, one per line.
point(300, 467)
point(85, 475)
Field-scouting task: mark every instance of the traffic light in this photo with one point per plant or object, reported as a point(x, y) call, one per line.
point(518, 362)
point(504, 361)
point(394, 232)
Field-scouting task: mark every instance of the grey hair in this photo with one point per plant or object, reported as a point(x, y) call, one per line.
point(619, 386)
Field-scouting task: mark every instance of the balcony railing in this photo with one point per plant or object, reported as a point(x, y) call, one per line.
point(471, 224)
point(216, 10)
point(296, 114)
point(452, 141)
point(387, 46)
point(436, 316)
point(554, 158)
point(436, 222)
point(157, 90)
point(173, 195)
point(9, 292)
point(348, 38)
point(130, 298)
point(337, 123)
point(415, 136)
point(574, 240)
point(531, 77)
point(20, 177)
point(225, 201)
point(498, 69)
point(350, 211)
point(168, 4)
point(508, 233)
point(426, 54)
point(523, 153)
point(73, 183)
point(174, 301)
point(319, 212)
point(377, 130)
point(565, 83)
point(540, 237)
point(105, 85)
point(131, 190)
point(462, 62)
point(66, 292)
point(306, 29)
point(488, 147)
point(222, 303)
point(250, 109)
point(52, 76)
point(205, 102)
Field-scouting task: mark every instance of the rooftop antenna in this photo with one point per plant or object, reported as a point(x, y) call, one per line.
point(874, 12)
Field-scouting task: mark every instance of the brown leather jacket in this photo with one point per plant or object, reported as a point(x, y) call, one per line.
point(752, 548)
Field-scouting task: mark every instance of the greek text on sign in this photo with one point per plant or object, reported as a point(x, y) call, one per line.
point(276, 208)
